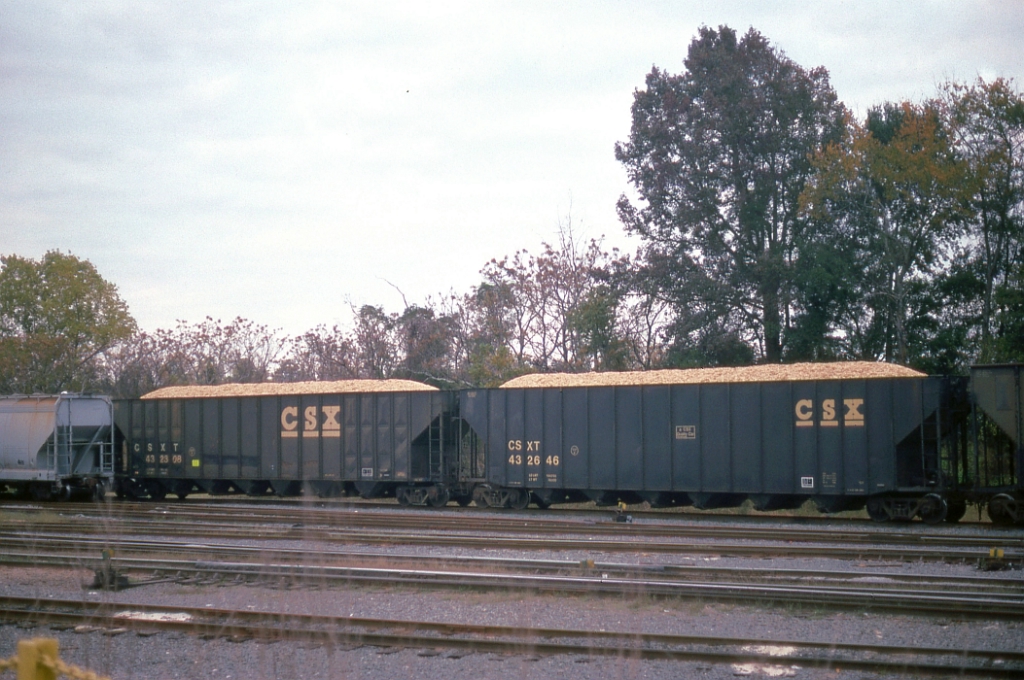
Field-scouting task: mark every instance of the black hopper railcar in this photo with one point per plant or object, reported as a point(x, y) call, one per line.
point(371, 437)
point(990, 444)
point(843, 435)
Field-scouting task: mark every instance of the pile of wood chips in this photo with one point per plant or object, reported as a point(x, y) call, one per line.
point(845, 370)
point(273, 389)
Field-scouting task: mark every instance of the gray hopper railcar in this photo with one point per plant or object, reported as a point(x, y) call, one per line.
point(57, 446)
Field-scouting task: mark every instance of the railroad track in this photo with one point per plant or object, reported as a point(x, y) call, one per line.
point(399, 528)
point(577, 510)
point(579, 545)
point(987, 598)
point(50, 551)
point(462, 639)
point(667, 524)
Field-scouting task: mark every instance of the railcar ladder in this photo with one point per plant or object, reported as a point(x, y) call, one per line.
point(106, 457)
point(62, 449)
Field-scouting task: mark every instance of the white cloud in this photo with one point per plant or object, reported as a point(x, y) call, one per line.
point(271, 160)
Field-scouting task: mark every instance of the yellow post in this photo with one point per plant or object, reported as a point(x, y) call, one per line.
point(31, 654)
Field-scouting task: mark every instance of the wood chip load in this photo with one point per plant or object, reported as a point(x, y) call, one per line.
point(843, 370)
point(275, 389)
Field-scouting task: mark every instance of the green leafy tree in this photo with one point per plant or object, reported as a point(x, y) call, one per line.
point(719, 156)
point(888, 198)
point(58, 316)
point(986, 125)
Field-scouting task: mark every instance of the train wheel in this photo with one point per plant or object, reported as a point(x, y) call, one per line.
point(438, 497)
point(402, 495)
point(876, 510)
point(999, 510)
point(99, 492)
point(480, 497)
point(182, 489)
point(934, 509)
point(519, 499)
point(41, 492)
point(957, 510)
point(157, 492)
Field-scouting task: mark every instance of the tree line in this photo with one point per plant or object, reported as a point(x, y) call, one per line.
point(775, 226)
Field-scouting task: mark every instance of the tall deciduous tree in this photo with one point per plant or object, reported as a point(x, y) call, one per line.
point(719, 156)
point(986, 124)
point(57, 316)
point(890, 195)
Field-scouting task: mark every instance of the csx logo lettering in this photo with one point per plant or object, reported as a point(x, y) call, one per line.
point(316, 422)
point(137, 448)
point(517, 445)
point(852, 416)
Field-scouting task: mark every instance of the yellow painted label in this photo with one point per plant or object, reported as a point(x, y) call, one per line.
point(316, 422)
point(852, 416)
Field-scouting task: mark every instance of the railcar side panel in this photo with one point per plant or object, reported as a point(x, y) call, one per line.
point(805, 437)
point(599, 405)
point(350, 436)
point(716, 453)
point(331, 438)
point(575, 439)
point(657, 448)
point(515, 448)
point(880, 437)
point(210, 427)
point(497, 442)
point(249, 438)
point(535, 442)
point(829, 449)
point(400, 432)
point(368, 469)
point(778, 460)
point(552, 460)
point(230, 461)
point(854, 441)
point(630, 460)
point(747, 443)
point(269, 410)
point(688, 438)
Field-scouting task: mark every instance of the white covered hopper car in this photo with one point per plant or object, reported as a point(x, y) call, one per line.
point(57, 446)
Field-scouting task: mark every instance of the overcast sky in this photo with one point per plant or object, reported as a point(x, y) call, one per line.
point(276, 160)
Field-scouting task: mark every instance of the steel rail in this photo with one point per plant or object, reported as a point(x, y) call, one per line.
point(330, 630)
point(572, 509)
point(627, 543)
point(668, 526)
point(916, 601)
point(72, 549)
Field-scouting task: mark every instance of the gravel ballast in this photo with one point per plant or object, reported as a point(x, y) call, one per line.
point(170, 655)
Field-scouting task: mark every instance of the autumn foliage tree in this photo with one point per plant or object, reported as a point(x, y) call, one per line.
point(888, 195)
point(58, 317)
